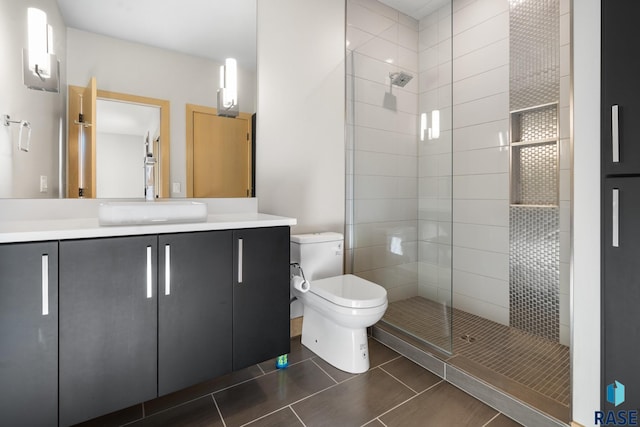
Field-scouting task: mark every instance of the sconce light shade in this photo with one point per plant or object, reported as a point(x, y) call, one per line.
point(40, 68)
point(228, 92)
point(39, 62)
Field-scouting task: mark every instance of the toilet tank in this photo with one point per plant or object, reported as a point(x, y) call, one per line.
point(320, 255)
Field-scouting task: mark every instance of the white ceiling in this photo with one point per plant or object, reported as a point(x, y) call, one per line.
point(416, 8)
point(214, 29)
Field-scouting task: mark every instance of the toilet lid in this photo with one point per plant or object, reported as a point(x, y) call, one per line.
point(350, 291)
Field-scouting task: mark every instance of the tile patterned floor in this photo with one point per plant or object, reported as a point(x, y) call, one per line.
point(312, 393)
point(533, 362)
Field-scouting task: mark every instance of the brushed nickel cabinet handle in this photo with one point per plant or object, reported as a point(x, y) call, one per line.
point(149, 275)
point(616, 218)
point(45, 285)
point(240, 251)
point(615, 134)
point(167, 270)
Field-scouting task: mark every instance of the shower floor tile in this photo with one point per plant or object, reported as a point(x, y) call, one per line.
point(535, 363)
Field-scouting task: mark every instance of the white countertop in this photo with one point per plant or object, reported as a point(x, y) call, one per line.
point(82, 228)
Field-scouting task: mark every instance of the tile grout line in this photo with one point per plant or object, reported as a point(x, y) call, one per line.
point(395, 378)
point(297, 416)
point(494, 417)
point(411, 398)
point(218, 409)
point(320, 367)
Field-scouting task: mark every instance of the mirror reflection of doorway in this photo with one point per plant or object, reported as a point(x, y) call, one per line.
point(219, 154)
point(123, 132)
point(90, 175)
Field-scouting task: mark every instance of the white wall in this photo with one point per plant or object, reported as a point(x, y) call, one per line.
point(127, 152)
point(585, 357)
point(19, 171)
point(300, 169)
point(137, 69)
point(382, 149)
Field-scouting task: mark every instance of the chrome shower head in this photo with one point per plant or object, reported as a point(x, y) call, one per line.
point(400, 78)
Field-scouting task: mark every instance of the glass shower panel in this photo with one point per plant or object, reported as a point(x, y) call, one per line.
point(399, 160)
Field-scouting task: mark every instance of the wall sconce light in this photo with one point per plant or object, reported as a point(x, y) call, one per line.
point(40, 65)
point(228, 92)
point(432, 132)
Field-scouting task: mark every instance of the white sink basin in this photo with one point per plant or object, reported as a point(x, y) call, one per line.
point(157, 212)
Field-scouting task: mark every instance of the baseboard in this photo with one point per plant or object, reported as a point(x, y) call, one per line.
point(575, 424)
point(296, 327)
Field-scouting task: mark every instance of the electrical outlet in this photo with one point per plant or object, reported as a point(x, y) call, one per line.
point(44, 186)
point(176, 188)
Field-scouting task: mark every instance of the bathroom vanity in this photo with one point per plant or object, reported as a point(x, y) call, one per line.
point(96, 319)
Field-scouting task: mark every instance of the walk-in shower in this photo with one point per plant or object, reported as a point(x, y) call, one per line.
point(458, 196)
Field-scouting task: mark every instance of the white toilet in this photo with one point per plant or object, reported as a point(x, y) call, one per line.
point(337, 308)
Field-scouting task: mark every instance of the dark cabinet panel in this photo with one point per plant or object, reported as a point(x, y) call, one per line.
point(621, 288)
point(29, 334)
point(195, 308)
point(260, 295)
point(620, 86)
point(108, 325)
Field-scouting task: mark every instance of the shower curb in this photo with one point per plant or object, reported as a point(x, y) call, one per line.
point(486, 393)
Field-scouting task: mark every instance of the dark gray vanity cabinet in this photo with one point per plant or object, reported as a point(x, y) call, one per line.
point(260, 295)
point(620, 157)
point(108, 325)
point(29, 334)
point(621, 288)
point(194, 308)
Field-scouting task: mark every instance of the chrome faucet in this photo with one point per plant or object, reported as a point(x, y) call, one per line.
point(149, 174)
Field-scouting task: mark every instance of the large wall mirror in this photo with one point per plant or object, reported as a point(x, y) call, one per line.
point(170, 50)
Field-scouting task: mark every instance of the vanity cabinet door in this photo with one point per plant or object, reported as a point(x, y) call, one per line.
point(260, 295)
point(29, 334)
point(108, 325)
point(195, 303)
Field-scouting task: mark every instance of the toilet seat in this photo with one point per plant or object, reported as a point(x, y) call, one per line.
point(350, 291)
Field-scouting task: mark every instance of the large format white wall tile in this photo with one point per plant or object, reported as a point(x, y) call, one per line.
point(482, 85)
point(487, 212)
point(483, 34)
point(480, 308)
point(483, 161)
point(468, 14)
point(484, 135)
point(483, 288)
point(482, 237)
point(368, 20)
point(489, 109)
point(381, 210)
point(490, 264)
point(481, 60)
point(482, 187)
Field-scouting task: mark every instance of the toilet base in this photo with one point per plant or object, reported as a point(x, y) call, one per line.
point(345, 348)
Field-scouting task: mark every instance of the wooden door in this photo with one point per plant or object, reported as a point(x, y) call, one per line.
point(218, 154)
point(81, 141)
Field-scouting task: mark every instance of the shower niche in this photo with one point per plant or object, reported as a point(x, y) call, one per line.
point(535, 156)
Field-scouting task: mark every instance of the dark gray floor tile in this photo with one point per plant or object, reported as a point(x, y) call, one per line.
point(334, 372)
point(198, 413)
point(282, 418)
point(503, 421)
point(353, 402)
point(374, 423)
point(253, 399)
point(380, 353)
point(117, 418)
point(411, 374)
point(297, 354)
point(200, 390)
point(442, 405)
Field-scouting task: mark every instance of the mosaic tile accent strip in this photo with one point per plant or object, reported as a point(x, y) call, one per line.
point(535, 362)
point(534, 52)
point(534, 270)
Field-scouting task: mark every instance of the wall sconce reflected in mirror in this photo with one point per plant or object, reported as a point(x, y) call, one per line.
point(432, 132)
point(228, 92)
point(39, 63)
